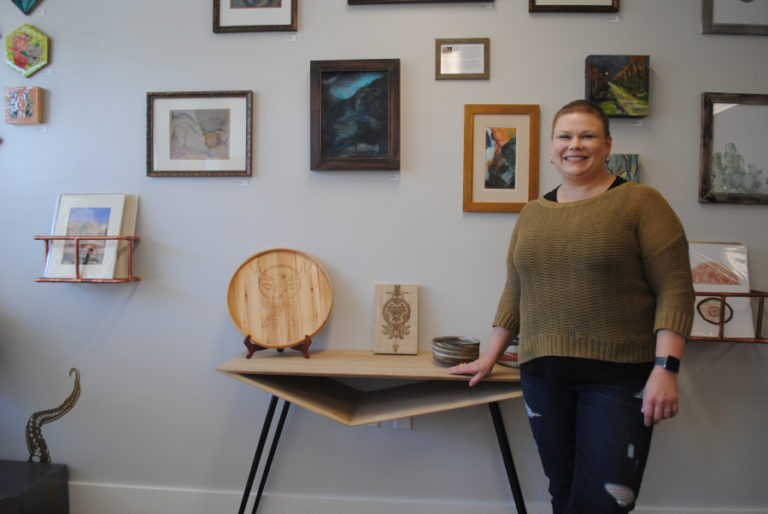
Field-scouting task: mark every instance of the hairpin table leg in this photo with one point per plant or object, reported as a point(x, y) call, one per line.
point(259, 450)
point(273, 447)
point(506, 454)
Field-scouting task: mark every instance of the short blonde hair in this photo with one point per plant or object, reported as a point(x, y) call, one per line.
point(587, 106)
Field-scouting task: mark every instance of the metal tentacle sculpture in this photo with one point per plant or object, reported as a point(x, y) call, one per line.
point(38, 450)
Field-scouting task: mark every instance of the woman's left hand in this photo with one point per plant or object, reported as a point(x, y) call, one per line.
point(660, 399)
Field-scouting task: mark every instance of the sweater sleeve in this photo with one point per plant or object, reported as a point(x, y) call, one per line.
point(508, 311)
point(664, 250)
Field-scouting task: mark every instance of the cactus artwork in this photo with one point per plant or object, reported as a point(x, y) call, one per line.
point(731, 173)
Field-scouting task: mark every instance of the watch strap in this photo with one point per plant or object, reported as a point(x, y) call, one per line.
point(669, 363)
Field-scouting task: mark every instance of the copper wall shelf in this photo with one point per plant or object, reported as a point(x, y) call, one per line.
point(78, 278)
point(760, 295)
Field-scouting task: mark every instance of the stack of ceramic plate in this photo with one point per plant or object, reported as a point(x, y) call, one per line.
point(509, 357)
point(452, 350)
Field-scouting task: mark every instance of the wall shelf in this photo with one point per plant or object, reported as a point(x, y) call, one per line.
point(133, 240)
point(760, 295)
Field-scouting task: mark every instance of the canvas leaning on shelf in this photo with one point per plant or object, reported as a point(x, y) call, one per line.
point(721, 268)
point(86, 215)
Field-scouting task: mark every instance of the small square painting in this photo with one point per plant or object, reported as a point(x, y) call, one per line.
point(23, 105)
point(619, 84)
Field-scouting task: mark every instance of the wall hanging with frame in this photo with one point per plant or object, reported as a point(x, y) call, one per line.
point(255, 16)
point(573, 5)
point(501, 157)
point(734, 158)
point(467, 58)
point(199, 134)
point(619, 84)
point(733, 17)
point(355, 114)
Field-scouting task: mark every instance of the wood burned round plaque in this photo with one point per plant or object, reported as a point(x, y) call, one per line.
point(280, 297)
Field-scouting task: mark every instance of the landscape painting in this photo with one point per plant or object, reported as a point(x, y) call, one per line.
point(354, 114)
point(87, 221)
point(619, 84)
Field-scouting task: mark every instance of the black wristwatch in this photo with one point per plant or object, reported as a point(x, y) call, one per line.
point(669, 363)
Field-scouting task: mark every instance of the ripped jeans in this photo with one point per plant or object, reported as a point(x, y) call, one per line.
point(591, 440)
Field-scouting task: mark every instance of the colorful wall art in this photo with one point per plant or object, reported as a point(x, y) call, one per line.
point(619, 83)
point(26, 50)
point(23, 105)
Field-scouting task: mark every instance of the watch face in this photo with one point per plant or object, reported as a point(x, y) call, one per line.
point(669, 363)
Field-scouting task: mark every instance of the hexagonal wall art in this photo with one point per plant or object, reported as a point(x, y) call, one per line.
point(26, 50)
point(26, 5)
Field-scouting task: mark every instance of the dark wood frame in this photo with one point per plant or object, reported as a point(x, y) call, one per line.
point(486, 44)
point(706, 195)
point(321, 162)
point(291, 27)
point(151, 97)
point(576, 7)
point(708, 26)
point(470, 111)
point(370, 2)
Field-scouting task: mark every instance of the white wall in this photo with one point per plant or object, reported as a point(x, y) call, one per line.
point(158, 430)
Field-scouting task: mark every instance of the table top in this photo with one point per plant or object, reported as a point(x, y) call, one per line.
point(353, 363)
point(319, 383)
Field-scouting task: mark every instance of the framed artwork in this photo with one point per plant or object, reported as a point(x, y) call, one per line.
point(468, 58)
point(85, 215)
point(23, 105)
point(26, 50)
point(619, 84)
point(734, 17)
point(199, 134)
point(26, 6)
point(720, 268)
point(367, 2)
point(355, 115)
point(255, 15)
point(734, 158)
point(623, 165)
point(573, 5)
point(501, 157)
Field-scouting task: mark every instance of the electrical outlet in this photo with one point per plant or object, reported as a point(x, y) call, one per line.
point(402, 423)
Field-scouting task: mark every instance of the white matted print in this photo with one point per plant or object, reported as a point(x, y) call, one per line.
point(721, 268)
point(86, 215)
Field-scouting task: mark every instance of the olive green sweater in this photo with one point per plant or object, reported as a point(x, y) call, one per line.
point(598, 277)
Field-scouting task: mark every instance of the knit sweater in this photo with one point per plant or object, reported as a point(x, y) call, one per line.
point(597, 278)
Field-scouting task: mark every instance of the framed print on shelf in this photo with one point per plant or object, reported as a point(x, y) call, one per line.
point(250, 16)
point(731, 17)
point(467, 58)
point(573, 5)
point(85, 215)
point(355, 114)
point(734, 158)
point(501, 157)
point(199, 134)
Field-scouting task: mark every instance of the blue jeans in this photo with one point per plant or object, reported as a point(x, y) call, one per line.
point(591, 440)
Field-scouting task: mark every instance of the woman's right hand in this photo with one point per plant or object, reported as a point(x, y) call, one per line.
point(479, 369)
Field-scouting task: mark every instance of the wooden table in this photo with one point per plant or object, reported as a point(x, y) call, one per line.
point(414, 385)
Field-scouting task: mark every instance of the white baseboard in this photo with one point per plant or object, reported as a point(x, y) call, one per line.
point(101, 498)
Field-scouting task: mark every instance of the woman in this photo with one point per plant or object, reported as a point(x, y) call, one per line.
point(599, 288)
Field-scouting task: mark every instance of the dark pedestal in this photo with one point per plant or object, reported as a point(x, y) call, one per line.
point(33, 488)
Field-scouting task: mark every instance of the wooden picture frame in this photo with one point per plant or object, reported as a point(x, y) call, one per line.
point(199, 134)
point(465, 58)
point(734, 158)
point(573, 6)
point(501, 157)
point(724, 17)
point(237, 16)
point(363, 96)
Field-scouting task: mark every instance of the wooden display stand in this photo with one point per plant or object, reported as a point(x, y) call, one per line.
point(418, 386)
point(78, 278)
point(760, 295)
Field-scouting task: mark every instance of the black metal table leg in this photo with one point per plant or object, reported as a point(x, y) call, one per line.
point(259, 450)
point(506, 454)
point(271, 455)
